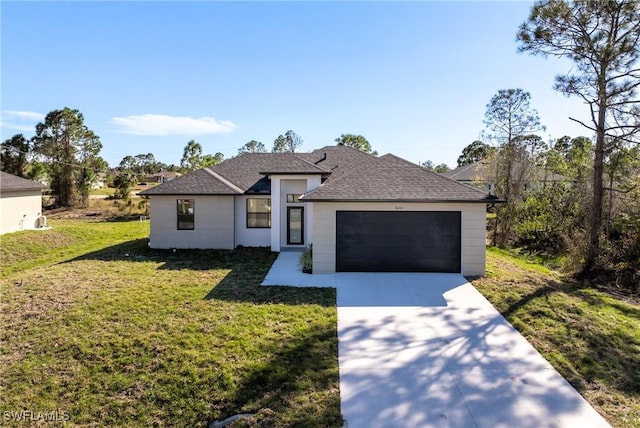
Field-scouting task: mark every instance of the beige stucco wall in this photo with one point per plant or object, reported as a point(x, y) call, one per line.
point(473, 230)
point(214, 223)
point(20, 210)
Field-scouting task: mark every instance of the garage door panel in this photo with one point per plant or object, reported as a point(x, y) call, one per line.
point(384, 241)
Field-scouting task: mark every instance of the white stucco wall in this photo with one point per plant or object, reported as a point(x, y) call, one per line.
point(473, 230)
point(20, 210)
point(281, 185)
point(297, 187)
point(249, 237)
point(214, 223)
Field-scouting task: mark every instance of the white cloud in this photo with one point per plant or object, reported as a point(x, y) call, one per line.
point(159, 125)
point(20, 120)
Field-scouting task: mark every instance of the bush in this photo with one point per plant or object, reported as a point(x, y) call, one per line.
point(306, 260)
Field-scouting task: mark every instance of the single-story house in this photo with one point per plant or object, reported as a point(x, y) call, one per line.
point(360, 212)
point(162, 177)
point(20, 203)
point(482, 174)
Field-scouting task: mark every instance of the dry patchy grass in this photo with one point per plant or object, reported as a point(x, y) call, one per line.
point(591, 338)
point(121, 335)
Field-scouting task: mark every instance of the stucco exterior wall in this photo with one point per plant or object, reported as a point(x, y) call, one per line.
point(213, 223)
point(473, 230)
point(297, 187)
point(20, 210)
point(249, 237)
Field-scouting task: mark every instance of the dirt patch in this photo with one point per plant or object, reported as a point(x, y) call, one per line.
point(623, 284)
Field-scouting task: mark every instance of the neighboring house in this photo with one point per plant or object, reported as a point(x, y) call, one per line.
point(482, 174)
point(20, 203)
point(162, 177)
point(99, 181)
point(361, 212)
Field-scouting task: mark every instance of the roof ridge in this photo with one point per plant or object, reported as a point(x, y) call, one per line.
point(310, 163)
point(464, 168)
point(223, 180)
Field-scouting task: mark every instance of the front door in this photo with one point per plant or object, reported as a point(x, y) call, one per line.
point(295, 226)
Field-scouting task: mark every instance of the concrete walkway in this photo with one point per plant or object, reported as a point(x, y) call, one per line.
point(422, 350)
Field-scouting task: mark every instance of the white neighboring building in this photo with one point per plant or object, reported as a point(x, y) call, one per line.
point(20, 203)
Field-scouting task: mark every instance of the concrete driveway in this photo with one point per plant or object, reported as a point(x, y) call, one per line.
point(422, 350)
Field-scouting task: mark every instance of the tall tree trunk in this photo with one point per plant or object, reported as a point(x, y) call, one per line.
point(595, 225)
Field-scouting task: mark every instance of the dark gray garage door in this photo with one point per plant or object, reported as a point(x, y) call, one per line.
point(390, 241)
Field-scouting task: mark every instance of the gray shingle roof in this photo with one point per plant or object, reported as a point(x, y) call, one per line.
point(199, 182)
point(247, 173)
point(390, 178)
point(292, 163)
point(350, 175)
point(335, 158)
point(13, 183)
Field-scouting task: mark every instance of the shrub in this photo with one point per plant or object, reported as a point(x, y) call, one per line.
point(306, 260)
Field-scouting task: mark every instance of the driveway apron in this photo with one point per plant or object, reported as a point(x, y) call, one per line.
point(421, 350)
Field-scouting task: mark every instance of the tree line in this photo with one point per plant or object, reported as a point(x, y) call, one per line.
point(66, 153)
point(591, 209)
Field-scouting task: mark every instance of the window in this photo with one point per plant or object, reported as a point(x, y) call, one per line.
point(293, 198)
point(258, 212)
point(186, 214)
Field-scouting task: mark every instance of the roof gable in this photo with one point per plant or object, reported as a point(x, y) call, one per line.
point(199, 182)
point(390, 178)
point(246, 173)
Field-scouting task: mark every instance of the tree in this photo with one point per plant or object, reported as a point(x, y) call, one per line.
point(475, 152)
point(70, 148)
point(210, 160)
point(602, 39)
point(253, 146)
point(191, 156)
point(357, 142)
point(443, 167)
point(123, 182)
point(13, 157)
point(287, 143)
point(509, 120)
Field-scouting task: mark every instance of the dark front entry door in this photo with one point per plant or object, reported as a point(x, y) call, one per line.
point(391, 241)
point(295, 225)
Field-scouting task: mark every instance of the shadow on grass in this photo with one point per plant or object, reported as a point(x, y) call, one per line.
point(246, 268)
point(611, 356)
point(297, 386)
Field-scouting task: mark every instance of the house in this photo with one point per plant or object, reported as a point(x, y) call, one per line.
point(162, 177)
point(20, 203)
point(361, 212)
point(482, 174)
point(99, 181)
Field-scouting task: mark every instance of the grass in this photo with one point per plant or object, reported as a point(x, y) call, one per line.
point(97, 325)
point(591, 338)
point(68, 238)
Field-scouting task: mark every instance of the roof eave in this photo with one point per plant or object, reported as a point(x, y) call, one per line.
point(295, 173)
point(186, 194)
point(424, 200)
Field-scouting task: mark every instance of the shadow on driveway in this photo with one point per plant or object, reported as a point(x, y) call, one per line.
point(429, 350)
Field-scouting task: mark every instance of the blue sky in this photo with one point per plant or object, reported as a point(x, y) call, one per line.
point(414, 78)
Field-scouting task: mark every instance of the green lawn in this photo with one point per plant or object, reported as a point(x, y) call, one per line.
point(591, 338)
point(97, 325)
